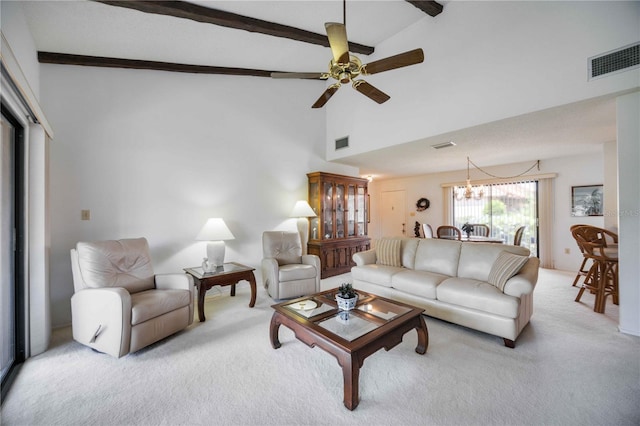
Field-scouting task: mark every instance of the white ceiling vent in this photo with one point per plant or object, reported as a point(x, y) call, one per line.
point(615, 61)
point(443, 145)
point(342, 142)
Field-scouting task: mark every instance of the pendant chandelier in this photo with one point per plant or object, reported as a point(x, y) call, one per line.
point(466, 191)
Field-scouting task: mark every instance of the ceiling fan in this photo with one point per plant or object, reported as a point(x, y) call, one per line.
point(345, 68)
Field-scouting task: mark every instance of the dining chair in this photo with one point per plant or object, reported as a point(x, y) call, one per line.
point(602, 277)
point(449, 232)
point(517, 238)
point(480, 229)
point(428, 230)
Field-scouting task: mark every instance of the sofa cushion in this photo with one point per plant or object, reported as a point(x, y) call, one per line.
point(122, 263)
point(417, 283)
point(376, 274)
point(149, 304)
point(477, 259)
point(388, 252)
point(409, 248)
point(296, 271)
point(506, 265)
point(478, 295)
point(438, 255)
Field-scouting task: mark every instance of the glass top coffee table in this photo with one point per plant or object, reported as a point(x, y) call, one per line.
point(350, 336)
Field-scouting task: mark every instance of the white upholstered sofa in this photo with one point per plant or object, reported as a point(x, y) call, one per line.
point(465, 283)
point(119, 305)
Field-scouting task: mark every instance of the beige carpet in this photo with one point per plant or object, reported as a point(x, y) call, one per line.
point(570, 367)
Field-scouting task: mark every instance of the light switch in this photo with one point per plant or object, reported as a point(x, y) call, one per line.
point(85, 214)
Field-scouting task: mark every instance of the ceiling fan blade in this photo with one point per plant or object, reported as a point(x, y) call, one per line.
point(370, 91)
point(411, 57)
point(326, 95)
point(306, 75)
point(337, 34)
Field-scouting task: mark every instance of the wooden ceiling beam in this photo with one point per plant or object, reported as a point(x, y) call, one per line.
point(104, 62)
point(431, 8)
point(181, 9)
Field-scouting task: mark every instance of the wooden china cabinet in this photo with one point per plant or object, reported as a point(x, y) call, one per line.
point(340, 229)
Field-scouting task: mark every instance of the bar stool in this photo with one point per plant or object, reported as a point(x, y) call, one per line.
point(582, 270)
point(602, 277)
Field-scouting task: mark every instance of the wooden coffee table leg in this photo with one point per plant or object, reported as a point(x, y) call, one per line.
point(351, 378)
point(252, 283)
point(233, 290)
point(423, 336)
point(273, 330)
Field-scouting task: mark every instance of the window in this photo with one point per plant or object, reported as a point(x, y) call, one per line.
point(504, 208)
point(11, 231)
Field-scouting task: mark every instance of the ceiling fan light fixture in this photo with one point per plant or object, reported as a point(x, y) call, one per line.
point(345, 68)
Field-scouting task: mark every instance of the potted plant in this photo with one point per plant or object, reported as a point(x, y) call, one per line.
point(346, 297)
point(467, 228)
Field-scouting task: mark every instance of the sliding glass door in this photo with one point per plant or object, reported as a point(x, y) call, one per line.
point(11, 292)
point(504, 207)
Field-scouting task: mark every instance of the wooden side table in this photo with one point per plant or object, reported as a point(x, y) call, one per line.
point(227, 274)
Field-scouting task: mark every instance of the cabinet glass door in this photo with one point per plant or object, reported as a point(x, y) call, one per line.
point(340, 213)
point(361, 212)
point(314, 202)
point(327, 213)
point(351, 212)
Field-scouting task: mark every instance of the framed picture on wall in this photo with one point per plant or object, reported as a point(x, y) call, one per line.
point(587, 200)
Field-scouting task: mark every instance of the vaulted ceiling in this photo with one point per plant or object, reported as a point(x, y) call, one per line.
point(256, 37)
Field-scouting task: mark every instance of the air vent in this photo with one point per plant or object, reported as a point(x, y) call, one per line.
point(342, 142)
point(623, 59)
point(443, 145)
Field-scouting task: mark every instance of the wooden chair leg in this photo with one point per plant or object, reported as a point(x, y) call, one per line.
point(582, 272)
point(588, 281)
point(601, 285)
point(615, 284)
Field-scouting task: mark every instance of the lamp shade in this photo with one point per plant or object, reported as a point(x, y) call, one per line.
point(302, 209)
point(215, 230)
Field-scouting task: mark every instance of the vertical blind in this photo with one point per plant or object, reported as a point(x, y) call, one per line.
point(504, 207)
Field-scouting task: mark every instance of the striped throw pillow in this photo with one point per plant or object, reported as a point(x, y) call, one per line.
point(388, 252)
point(506, 266)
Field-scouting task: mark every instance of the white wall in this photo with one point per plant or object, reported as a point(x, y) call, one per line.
point(155, 154)
point(484, 61)
point(628, 119)
point(571, 171)
point(610, 154)
point(14, 28)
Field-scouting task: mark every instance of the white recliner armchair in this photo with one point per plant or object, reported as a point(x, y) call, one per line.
point(286, 272)
point(119, 305)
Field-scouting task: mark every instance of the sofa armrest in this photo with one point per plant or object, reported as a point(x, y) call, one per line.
point(101, 319)
point(270, 270)
point(366, 257)
point(174, 282)
point(312, 259)
point(525, 280)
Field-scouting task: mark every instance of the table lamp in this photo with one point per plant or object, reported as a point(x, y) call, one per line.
point(302, 210)
point(215, 231)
